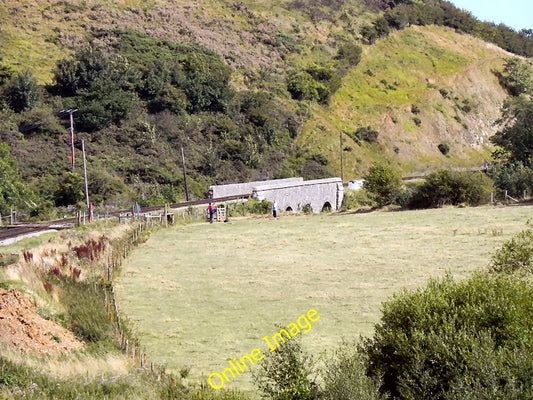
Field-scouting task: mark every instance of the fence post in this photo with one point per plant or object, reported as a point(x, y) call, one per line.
point(12, 217)
point(0, 219)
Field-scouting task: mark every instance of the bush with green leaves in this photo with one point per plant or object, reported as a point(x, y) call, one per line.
point(344, 376)
point(383, 183)
point(315, 83)
point(446, 187)
point(259, 207)
point(14, 194)
point(516, 254)
point(302, 86)
point(286, 373)
point(444, 148)
point(69, 189)
point(511, 178)
point(364, 134)
point(456, 340)
point(349, 55)
point(23, 92)
point(353, 199)
point(517, 76)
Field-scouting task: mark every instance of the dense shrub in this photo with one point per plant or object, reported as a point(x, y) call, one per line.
point(69, 189)
point(516, 254)
point(285, 374)
point(517, 76)
point(453, 340)
point(447, 187)
point(302, 86)
point(444, 148)
point(364, 134)
point(259, 207)
point(513, 178)
point(315, 83)
point(13, 193)
point(23, 92)
point(349, 54)
point(383, 183)
point(345, 376)
point(353, 199)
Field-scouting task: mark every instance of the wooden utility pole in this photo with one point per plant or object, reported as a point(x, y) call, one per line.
point(89, 208)
point(184, 175)
point(342, 161)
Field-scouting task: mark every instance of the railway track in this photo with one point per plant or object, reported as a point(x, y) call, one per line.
point(14, 231)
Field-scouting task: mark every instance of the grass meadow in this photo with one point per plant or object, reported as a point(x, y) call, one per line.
point(200, 295)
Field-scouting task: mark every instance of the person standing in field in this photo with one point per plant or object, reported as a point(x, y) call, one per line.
point(211, 211)
point(275, 209)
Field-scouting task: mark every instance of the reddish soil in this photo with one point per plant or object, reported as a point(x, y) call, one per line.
point(23, 329)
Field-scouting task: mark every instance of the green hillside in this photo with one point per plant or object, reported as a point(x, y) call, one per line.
point(250, 90)
point(443, 78)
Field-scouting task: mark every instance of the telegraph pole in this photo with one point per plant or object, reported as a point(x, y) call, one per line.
point(342, 163)
point(86, 184)
point(63, 113)
point(184, 175)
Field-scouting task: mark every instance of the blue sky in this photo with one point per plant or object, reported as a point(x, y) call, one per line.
point(516, 14)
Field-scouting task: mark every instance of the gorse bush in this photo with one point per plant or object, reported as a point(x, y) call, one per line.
point(516, 254)
point(23, 92)
point(444, 148)
point(286, 374)
point(454, 339)
point(364, 134)
point(383, 183)
point(513, 178)
point(13, 193)
point(356, 198)
point(447, 187)
point(345, 376)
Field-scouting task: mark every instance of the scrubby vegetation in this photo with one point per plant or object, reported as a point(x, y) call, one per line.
point(449, 340)
point(142, 97)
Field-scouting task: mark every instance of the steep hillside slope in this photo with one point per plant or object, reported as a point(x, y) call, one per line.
point(221, 79)
point(247, 34)
point(418, 88)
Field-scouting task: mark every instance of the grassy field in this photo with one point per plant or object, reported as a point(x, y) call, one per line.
point(201, 295)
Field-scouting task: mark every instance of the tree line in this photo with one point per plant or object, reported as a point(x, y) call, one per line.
point(399, 14)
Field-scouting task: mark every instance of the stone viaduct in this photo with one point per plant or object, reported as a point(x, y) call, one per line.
point(292, 194)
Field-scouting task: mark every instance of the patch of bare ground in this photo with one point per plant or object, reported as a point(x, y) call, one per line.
point(23, 329)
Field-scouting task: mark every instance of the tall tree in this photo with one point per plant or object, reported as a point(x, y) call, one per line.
point(517, 76)
point(517, 135)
